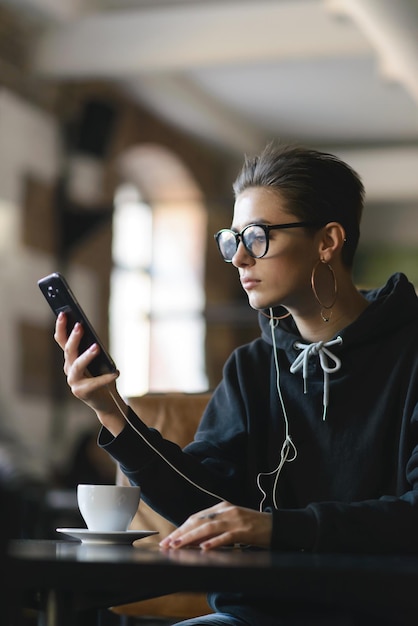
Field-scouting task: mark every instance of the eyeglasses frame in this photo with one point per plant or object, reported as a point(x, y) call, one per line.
point(267, 228)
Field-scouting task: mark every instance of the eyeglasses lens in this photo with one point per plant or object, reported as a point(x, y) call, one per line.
point(255, 241)
point(253, 238)
point(227, 244)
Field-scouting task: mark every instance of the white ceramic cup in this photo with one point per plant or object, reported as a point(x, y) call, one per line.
point(108, 508)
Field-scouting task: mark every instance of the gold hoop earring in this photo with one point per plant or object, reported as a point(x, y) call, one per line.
point(324, 307)
point(274, 317)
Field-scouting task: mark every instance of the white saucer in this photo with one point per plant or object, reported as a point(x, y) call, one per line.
point(91, 536)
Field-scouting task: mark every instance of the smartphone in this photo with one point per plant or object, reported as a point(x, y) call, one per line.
point(61, 299)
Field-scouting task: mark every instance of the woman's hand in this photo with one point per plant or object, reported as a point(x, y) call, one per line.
point(92, 390)
point(222, 525)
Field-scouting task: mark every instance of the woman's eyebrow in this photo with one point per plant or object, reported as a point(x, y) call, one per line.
point(255, 221)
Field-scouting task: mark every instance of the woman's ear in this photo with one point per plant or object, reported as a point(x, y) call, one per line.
point(332, 240)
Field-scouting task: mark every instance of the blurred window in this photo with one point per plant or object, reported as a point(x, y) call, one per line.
point(157, 328)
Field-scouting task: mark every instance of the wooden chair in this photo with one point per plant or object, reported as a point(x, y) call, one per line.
point(176, 416)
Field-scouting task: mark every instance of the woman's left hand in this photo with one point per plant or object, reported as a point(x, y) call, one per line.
point(222, 525)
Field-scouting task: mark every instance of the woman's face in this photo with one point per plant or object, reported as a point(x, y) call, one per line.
point(283, 275)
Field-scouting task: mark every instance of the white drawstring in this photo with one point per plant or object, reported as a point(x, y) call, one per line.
point(325, 356)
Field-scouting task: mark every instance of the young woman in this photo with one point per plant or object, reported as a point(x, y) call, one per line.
point(310, 442)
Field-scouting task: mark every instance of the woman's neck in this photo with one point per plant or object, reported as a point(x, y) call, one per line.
point(349, 305)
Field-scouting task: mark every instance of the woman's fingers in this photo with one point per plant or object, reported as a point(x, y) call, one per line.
point(195, 530)
point(82, 384)
point(222, 525)
point(68, 343)
point(98, 392)
point(60, 334)
point(75, 365)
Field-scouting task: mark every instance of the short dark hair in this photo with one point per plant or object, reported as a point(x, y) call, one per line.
point(314, 185)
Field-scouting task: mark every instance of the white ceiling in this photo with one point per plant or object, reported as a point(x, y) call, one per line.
point(340, 74)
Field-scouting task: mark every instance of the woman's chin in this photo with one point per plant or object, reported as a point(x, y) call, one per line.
point(257, 303)
point(262, 304)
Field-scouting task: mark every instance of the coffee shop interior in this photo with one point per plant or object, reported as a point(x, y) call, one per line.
point(122, 126)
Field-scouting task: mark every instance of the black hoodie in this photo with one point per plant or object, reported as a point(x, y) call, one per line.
point(353, 485)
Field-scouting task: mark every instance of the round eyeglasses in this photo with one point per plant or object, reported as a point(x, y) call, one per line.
point(255, 238)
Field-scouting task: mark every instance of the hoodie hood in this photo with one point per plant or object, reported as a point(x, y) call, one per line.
point(392, 306)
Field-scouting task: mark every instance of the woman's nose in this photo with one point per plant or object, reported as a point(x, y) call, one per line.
point(241, 256)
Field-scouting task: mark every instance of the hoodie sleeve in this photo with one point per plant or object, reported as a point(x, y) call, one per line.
point(173, 482)
point(176, 482)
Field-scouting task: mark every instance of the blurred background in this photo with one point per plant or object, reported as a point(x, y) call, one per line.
point(122, 126)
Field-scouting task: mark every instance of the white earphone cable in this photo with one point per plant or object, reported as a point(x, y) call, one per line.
point(189, 480)
point(288, 445)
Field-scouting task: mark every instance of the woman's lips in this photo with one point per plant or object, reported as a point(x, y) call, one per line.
point(249, 283)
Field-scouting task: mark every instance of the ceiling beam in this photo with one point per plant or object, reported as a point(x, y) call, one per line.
point(184, 36)
point(201, 115)
point(390, 26)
